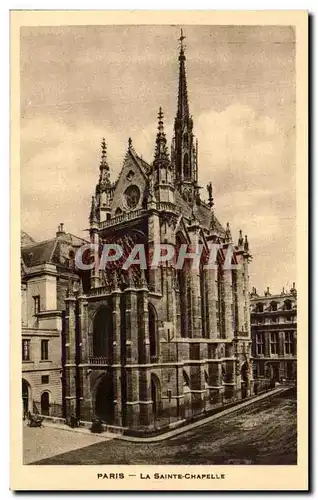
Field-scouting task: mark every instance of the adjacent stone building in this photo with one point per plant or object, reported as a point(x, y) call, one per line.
point(145, 348)
point(274, 335)
point(46, 268)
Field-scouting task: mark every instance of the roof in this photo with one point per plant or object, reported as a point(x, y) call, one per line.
point(48, 251)
point(26, 239)
point(38, 253)
point(201, 211)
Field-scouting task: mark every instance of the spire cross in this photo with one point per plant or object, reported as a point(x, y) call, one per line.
point(160, 114)
point(182, 37)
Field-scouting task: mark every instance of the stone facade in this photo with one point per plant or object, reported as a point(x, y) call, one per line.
point(147, 348)
point(46, 268)
point(274, 335)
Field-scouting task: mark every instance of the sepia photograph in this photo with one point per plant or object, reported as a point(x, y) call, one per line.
point(159, 222)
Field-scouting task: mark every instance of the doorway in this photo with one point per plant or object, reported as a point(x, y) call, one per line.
point(244, 380)
point(45, 403)
point(104, 402)
point(25, 397)
point(155, 394)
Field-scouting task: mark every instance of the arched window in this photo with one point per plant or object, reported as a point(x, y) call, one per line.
point(186, 166)
point(153, 336)
point(103, 334)
point(184, 295)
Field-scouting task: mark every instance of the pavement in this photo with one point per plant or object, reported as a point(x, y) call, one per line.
point(173, 432)
point(263, 432)
point(44, 442)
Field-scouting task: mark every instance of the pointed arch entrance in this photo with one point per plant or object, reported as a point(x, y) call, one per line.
point(103, 334)
point(104, 399)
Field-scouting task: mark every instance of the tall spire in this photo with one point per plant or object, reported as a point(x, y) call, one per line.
point(183, 105)
point(161, 141)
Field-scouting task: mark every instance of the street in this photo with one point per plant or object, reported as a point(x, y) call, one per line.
point(264, 433)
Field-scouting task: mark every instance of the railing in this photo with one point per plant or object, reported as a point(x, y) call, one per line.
point(133, 214)
point(167, 205)
point(99, 360)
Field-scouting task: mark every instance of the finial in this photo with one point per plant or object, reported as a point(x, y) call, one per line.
point(70, 289)
point(103, 160)
point(104, 148)
point(228, 236)
point(240, 240)
point(246, 245)
point(130, 281)
point(115, 280)
point(129, 143)
point(92, 215)
point(80, 289)
point(143, 279)
point(161, 141)
point(210, 190)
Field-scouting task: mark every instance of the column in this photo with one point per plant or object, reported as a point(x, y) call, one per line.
point(240, 300)
point(117, 369)
point(194, 272)
point(95, 281)
point(247, 316)
point(145, 401)
point(132, 353)
point(153, 239)
point(85, 392)
point(212, 297)
point(228, 303)
point(70, 353)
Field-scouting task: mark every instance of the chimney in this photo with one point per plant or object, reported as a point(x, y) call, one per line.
point(60, 230)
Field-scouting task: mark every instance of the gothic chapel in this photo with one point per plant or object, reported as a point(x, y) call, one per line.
point(146, 349)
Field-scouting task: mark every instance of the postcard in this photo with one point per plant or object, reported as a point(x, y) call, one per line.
point(159, 250)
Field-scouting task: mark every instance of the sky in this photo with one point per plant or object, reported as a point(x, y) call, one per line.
point(82, 83)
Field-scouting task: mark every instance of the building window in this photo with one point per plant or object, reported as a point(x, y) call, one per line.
point(25, 350)
point(44, 350)
point(273, 307)
point(274, 343)
point(36, 304)
point(288, 305)
point(45, 379)
point(274, 320)
point(259, 343)
point(288, 343)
